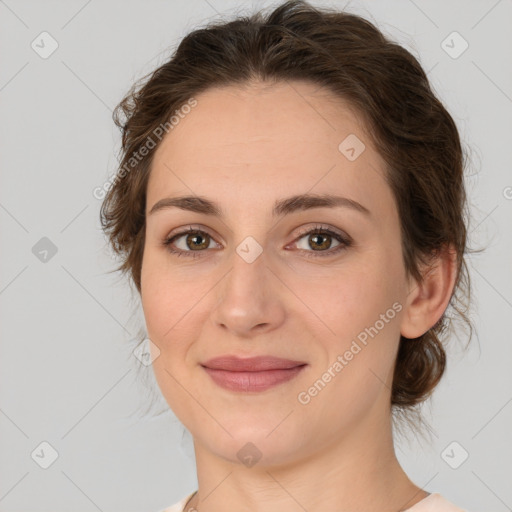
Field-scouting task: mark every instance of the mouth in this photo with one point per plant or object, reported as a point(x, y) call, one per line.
point(255, 374)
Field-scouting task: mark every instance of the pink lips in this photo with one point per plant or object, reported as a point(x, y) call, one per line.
point(251, 374)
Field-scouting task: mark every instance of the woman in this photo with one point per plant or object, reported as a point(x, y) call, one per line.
point(291, 208)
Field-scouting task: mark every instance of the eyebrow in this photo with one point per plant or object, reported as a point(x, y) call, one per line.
point(285, 206)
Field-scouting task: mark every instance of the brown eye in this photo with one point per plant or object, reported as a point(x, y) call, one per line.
point(193, 241)
point(318, 241)
point(197, 240)
point(187, 242)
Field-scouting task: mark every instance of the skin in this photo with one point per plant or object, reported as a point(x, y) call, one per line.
point(245, 148)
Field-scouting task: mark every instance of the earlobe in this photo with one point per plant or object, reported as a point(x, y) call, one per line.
point(427, 301)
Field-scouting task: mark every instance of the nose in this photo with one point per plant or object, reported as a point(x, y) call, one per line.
point(250, 298)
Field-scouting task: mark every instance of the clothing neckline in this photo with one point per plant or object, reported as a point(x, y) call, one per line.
point(187, 499)
point(412, 509)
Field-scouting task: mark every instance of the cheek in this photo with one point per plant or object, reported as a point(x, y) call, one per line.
point(174, 305)
point(359, 310)
point(156, 300)
point(160, 299)
point(348, 299)
point(365, 351)
point(160, 293)
point(165, 311)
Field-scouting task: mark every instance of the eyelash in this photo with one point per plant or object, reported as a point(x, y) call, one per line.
point(345, 242)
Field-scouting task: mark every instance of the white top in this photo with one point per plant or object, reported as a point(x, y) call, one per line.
point(434, 502)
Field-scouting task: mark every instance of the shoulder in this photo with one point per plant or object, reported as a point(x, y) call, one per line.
point(178, 507)
point(435, 502)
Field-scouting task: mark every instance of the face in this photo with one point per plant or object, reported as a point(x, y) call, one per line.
point(320, 285)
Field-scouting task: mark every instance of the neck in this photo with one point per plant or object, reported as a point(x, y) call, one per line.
point(355, 471)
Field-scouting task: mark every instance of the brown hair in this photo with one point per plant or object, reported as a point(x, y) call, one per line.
point(387, 86)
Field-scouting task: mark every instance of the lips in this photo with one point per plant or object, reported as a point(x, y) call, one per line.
point(251, 374)
point(251, 364)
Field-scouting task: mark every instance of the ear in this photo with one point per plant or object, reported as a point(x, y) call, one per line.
point(427, 301)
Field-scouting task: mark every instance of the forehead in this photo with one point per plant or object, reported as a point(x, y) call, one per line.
point(269, 141)
point(251, 118)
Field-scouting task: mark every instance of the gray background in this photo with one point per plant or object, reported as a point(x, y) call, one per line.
point(68, 376)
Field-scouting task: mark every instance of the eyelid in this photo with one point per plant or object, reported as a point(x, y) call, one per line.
point(175, 234)
point(344, 240)
point(189, 228)
point(304, 231)
point(323, 228)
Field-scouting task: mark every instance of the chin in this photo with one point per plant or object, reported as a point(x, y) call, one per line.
point(254, 444)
